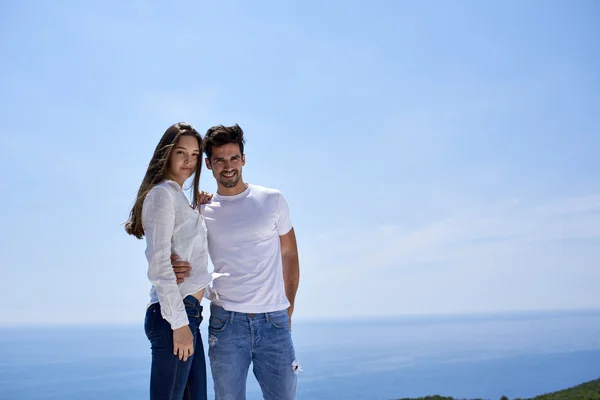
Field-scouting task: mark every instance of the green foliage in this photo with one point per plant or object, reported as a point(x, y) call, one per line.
point(585, 391)
point(435, 397)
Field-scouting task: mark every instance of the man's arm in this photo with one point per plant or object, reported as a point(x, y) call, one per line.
point(181, 268)
point(291, 268)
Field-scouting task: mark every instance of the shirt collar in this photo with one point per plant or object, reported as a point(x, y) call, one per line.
point(174, 185)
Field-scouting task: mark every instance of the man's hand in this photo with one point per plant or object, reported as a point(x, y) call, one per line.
point(290, 312)
point(181, 268)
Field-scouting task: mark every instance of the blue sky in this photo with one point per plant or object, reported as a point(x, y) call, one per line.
point(438, 157)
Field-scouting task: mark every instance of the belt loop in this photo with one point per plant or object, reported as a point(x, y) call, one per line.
point(231, 315)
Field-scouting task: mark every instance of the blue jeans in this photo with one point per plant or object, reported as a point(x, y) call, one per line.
point(237, 339)
point(171, 378)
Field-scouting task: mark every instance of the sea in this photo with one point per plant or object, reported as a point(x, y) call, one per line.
point(468, 356)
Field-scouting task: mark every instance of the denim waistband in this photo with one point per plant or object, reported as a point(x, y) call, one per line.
point(222, 313)
point(192, 301)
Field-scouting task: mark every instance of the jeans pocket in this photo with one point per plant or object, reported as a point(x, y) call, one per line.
point(151, 312)
point(280, 320)
point(217, 324)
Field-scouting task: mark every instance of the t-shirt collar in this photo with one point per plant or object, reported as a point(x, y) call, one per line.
point(245, 193)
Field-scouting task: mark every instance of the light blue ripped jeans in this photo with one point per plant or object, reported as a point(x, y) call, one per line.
point(237, 339)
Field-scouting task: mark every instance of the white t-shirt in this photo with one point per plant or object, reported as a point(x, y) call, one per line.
point(243, 240)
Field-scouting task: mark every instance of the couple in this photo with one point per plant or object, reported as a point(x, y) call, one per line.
point(247, 231)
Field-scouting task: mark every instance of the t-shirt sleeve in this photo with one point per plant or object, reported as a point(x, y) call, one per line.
point(284, 223)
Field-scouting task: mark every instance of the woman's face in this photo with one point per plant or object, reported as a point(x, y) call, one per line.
point(183, 159)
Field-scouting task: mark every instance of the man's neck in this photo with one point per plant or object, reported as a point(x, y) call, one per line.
point(232, 191)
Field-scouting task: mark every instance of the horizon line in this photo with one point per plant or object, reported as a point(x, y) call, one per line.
point(417, 317)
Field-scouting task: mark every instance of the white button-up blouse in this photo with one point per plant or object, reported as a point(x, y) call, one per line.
point(172, 226)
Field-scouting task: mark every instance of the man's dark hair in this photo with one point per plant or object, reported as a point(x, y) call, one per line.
point(220, 135)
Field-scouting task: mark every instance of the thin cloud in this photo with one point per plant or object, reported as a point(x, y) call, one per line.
point(492, 259)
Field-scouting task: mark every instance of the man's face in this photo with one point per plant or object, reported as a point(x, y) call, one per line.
point(226, 163)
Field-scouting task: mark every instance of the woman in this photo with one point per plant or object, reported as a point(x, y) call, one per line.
point(163, 214)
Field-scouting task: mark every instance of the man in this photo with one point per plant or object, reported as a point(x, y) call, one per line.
point(250, 236)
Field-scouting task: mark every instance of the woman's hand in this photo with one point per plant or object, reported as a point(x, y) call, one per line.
point(183, 342)
point(204, 197)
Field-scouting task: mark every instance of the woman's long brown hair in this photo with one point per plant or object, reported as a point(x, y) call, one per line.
point(155, 173)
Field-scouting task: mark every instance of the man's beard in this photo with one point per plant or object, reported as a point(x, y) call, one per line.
point(230, 184)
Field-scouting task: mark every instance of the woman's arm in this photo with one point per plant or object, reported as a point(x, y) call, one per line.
point(158, 219)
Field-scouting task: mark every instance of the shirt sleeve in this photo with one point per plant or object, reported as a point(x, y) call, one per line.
point(158, 220)
point(284, 223)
